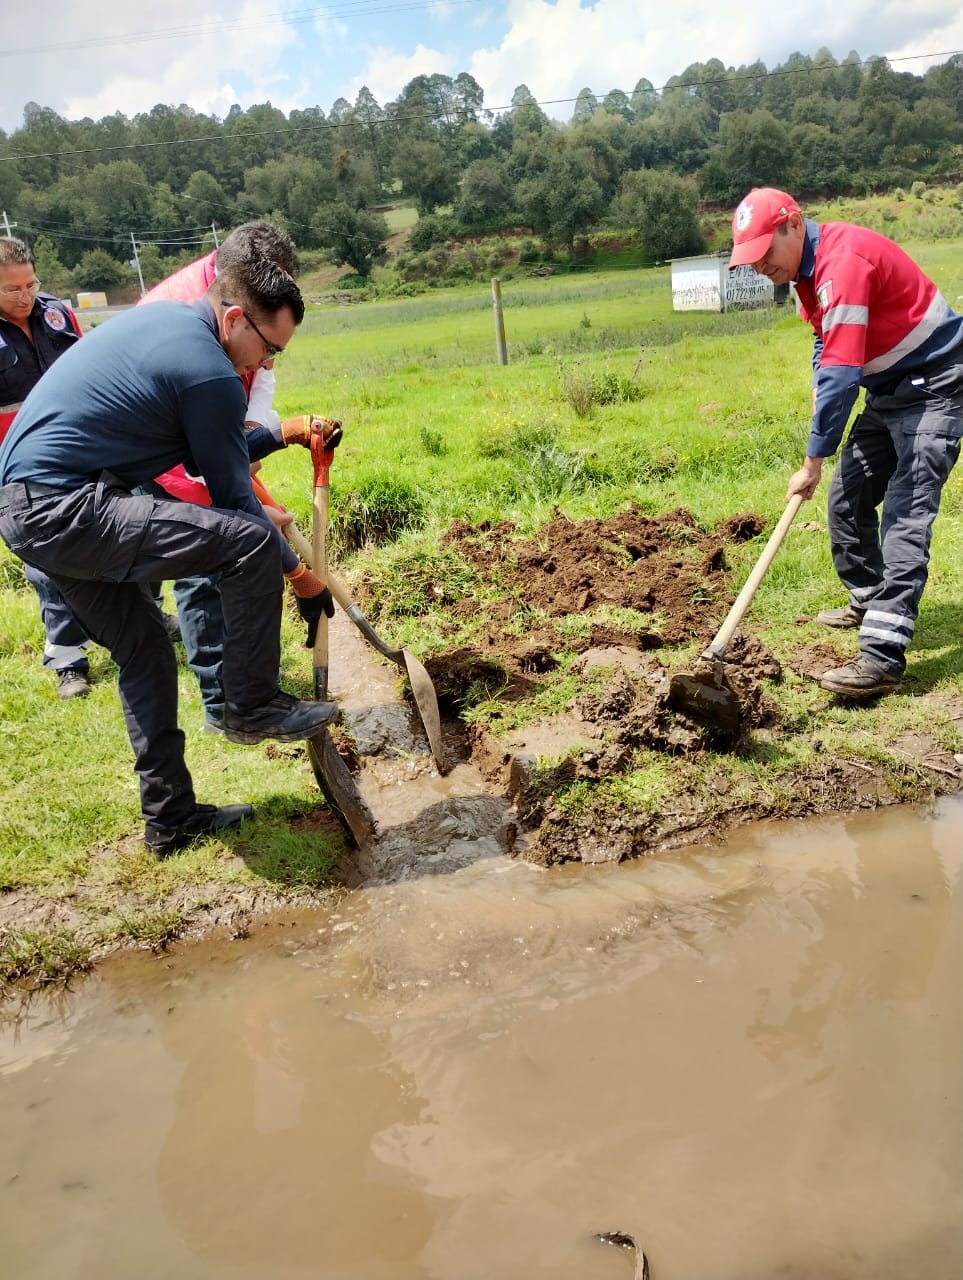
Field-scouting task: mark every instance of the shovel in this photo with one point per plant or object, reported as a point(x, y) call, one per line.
point(705, 694)
point(332, 774)
point(422, 689)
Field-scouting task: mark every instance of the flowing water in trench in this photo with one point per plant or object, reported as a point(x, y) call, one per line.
point(750, 1057)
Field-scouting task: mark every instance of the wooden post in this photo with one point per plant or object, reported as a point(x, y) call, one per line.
point(501, 349)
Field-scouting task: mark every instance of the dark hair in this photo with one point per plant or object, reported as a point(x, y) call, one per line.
point(261, 287)
point(258, 240)
point(15, 252)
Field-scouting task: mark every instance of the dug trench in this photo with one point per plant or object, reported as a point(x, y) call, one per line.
point(612, 771)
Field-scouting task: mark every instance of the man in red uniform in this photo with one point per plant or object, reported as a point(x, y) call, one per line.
point(881, 325)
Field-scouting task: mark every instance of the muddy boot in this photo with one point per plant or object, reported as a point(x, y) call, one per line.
point(859, 679)
point(850, 615)
point(207, 820)
point(284, 718)
point(72, 683)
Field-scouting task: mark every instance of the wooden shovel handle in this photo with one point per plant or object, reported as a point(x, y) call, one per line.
point(735, 615)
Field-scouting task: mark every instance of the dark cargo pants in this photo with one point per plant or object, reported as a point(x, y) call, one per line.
point(64, 638)
point(98, 544)
point(899, 453)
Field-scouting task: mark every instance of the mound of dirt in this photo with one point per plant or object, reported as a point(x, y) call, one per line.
point(674, 573)
point(667, 567)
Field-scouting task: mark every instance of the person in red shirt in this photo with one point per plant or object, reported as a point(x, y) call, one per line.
point(883, 327)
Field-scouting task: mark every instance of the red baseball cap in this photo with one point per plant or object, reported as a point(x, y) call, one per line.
point(755, 221)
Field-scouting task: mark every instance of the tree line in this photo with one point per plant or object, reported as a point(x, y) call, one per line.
point(642, 160)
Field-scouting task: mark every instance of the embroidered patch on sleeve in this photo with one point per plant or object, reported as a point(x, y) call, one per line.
point(55, 320)
point(825, 295)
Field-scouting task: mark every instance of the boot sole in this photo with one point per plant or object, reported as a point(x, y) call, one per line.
point(251, 737)
point(859, 695)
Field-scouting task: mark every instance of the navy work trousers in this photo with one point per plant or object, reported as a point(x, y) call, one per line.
point(64, 638)
point(899, 453)
point(98, 544)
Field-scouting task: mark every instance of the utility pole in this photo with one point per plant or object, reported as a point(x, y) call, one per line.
point(7, 224)
point(217, 243)
point(136, 263)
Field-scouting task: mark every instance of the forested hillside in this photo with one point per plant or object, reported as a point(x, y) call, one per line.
point(84, 191)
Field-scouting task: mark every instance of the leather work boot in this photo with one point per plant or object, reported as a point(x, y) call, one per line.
point(284, 718)
point(72, 684)
point(848, 616)
point(206, 820)
point(860, 678)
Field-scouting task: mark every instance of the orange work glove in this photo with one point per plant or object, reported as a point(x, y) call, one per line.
point(300, 430)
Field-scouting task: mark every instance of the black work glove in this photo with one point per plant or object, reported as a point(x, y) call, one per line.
point(311, 608)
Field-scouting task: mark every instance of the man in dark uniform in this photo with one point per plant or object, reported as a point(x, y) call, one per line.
point(35, 328)
point(154, 387)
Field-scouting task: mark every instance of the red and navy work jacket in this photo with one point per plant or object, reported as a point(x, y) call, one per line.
point(877, 319)
point(53, 328)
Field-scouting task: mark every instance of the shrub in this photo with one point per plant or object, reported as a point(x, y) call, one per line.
point(578, 389)
point(432, 441)
point(431, 230)
point(615, 388)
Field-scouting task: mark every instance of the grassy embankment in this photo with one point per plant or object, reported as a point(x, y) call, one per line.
point(434, 429)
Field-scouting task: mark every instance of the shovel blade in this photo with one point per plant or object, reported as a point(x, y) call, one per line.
point(426, 700)
point(340, 790)
point(707, 698)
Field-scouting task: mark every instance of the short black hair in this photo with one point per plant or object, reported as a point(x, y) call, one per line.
point(261, 287)
point(258, 240)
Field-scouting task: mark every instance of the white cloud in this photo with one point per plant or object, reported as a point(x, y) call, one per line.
point(558, 48)
point(387, 72)
point(206, 70)
point(941, 41)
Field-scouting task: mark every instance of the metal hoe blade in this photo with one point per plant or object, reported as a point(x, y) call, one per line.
point(706, 696)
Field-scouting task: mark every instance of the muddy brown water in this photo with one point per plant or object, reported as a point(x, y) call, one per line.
point(750, 1057)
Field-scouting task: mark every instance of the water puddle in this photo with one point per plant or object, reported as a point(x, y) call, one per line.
point(748, 1057)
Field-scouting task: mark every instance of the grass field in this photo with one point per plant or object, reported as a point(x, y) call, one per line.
point(436, 429)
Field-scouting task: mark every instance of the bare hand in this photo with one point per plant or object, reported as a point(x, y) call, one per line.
point(805, 481)
point(280, 515)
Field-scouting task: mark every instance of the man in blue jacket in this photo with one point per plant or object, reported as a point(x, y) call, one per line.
point(155, 387)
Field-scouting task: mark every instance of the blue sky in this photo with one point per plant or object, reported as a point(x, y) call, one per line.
point(94, 57)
